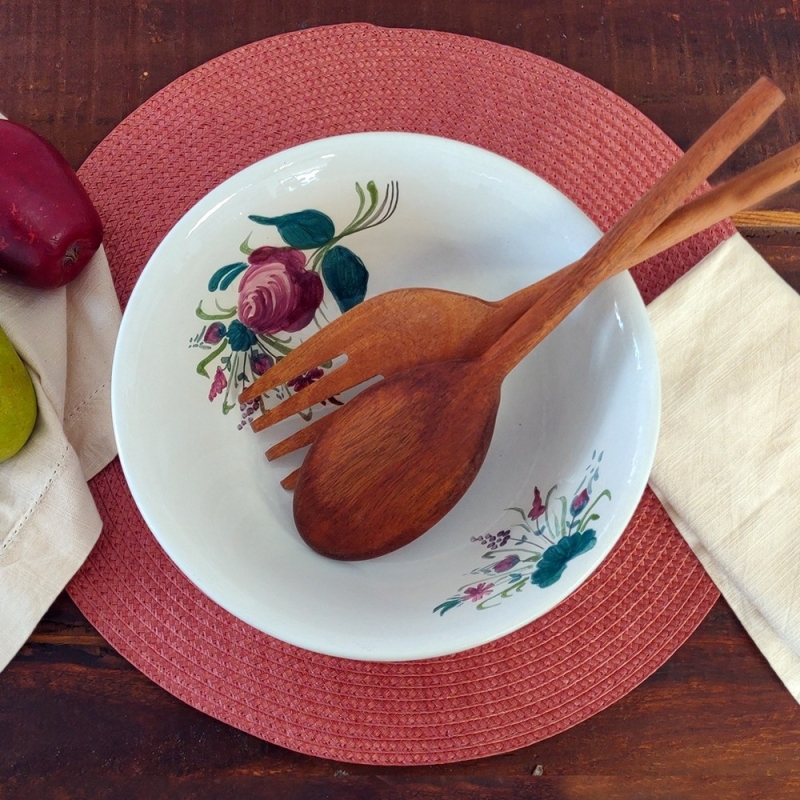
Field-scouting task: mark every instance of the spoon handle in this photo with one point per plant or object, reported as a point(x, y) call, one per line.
point(611, 254)
point(736, 194)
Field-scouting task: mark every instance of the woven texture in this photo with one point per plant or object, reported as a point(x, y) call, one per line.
point(616, 630)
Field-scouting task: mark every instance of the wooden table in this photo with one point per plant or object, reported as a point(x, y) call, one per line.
point(76, 720)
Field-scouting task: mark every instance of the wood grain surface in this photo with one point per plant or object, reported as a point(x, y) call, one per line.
point(77, 721)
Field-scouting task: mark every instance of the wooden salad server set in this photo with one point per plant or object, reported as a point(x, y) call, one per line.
point(386, 466)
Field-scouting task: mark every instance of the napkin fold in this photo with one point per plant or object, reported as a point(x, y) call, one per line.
point(48, 519)
point(727, 466)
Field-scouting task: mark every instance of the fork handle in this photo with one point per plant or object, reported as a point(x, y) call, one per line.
point(611, 254)
point(736, 194)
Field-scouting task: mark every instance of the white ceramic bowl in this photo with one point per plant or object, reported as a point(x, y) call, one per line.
point(575, 434)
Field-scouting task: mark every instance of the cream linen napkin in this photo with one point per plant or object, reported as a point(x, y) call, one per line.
point(727, 466)
point(48, 519)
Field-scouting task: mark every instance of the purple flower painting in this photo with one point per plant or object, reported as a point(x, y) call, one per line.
point(536, 548)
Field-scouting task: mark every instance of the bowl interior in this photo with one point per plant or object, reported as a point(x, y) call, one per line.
point(575, 434)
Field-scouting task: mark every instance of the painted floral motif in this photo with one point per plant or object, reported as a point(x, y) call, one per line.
point(538, 544)
point(277, 293)
point(281, 289)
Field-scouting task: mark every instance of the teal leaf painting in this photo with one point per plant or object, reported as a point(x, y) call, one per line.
point(345, 276)
point(304, 230)
point(554, 560)
point(225, 276)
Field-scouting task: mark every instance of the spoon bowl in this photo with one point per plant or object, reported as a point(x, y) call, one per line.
point(410, 418)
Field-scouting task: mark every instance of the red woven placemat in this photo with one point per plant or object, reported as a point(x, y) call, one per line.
point(615, 631)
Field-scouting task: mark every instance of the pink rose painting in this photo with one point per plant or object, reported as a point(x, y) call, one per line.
point(277, 293)
point(258, 304)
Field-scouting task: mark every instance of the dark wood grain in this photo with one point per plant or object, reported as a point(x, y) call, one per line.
point(75, 715)
point(77, 721)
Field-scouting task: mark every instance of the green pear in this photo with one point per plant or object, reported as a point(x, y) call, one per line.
point(17, 400)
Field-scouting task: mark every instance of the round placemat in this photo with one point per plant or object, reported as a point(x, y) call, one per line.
point(615, 631)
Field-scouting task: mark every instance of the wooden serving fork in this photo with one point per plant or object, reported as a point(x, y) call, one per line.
point(467, 325)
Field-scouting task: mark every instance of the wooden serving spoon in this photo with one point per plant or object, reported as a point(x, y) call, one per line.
point(400, 455)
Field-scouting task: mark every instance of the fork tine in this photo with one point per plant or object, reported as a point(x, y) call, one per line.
point(301, 438)
point(342, 336)
point(290, 481)
point(314, 351)
point(338, 380)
